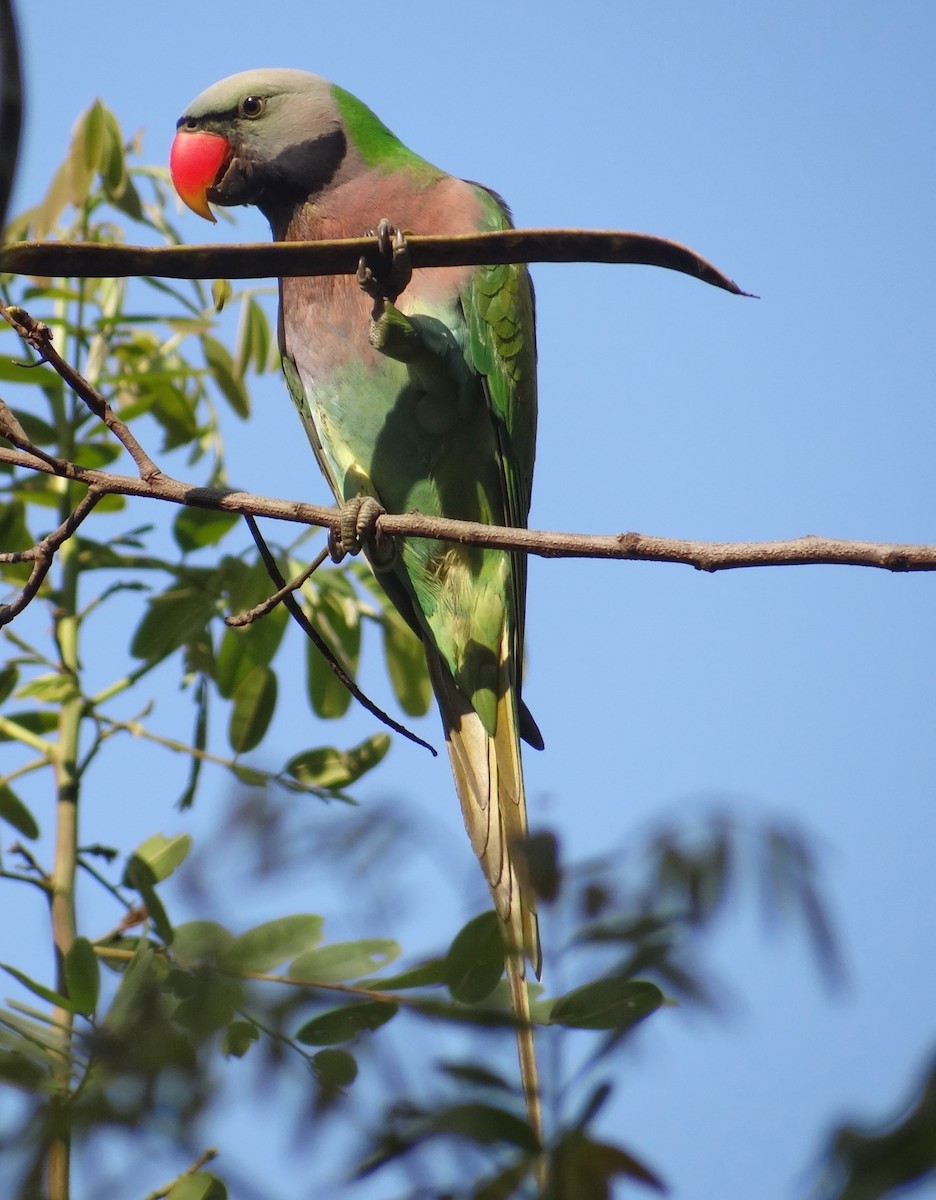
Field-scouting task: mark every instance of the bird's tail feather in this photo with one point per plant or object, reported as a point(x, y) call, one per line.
point(489, 781)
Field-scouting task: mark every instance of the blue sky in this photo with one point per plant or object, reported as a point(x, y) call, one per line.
point(793, 145)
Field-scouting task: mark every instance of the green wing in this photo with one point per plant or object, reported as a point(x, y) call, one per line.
point(499, 313)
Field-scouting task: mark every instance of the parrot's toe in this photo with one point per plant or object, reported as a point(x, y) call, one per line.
point(357, 529)
point(385, 275)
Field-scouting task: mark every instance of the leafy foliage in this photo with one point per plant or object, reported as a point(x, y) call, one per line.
point(139, 1024)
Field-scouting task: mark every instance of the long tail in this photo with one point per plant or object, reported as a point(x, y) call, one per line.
point(489, 781)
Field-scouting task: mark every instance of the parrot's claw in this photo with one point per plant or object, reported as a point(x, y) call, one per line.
point(385, 275)
point(357, 529)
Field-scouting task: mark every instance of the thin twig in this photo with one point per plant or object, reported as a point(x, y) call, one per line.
point(250, 615)
point(295, 611)
point(203, 1159)
point(43, 554)
point(326, 257)
point(39, 336)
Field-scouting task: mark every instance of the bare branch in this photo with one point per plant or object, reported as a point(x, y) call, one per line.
point(43, 553)
point(11, 104)
point(808, 550)
point(39, 336)
point(265, 260)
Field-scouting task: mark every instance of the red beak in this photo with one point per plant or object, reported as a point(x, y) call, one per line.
point(195, 161)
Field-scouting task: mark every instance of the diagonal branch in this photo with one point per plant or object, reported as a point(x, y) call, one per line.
point(39, 336)
point(265, 260)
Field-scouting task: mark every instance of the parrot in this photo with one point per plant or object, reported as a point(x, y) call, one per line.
point(417, 390)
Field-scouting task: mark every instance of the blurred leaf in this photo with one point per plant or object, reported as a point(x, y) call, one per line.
point(239, 1037)
point(139, 875)
point(9, 677)
point(172, 618)
point(429, 974)
point(39, 989)
point(163, 855)
point(194, 528)
point(253, 339)
point(335, 1068)
point(345, 1024)
point(582, 1167)
point(475, 960)
point(39, 432)
point(37, 721)
point(199, 742)
point(337, 618)
point(254, 706)
point(200, 1186)
point(242, 649)
point(487, 1125)
point(82, 976)
point(200, 941)
point(615, 1003)
point(344, 960)
point(15, 813)
point(406, 665)
point(327, 767)
point(54, 688)
point(221, 365)
point(208, 1000)
point(14, 532)
point(221, 292)
point(84, 156)
point(536, 858)
point(269, 945)
point(478, 1076)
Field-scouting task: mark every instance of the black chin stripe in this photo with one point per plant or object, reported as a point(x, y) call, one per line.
point(307, 167)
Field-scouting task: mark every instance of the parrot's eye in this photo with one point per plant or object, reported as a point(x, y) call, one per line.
point(252, 106)
point(190, 124)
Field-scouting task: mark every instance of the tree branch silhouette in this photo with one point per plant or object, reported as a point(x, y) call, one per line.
point(267, 260)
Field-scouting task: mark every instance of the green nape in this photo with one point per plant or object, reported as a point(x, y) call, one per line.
point(379, 147)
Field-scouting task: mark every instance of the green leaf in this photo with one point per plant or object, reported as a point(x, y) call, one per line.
point(82, 976)
point(239, 1037)
point(242, 649)
point(221, 292)
point(200, 1186)
point(337, 617)
point(249, 776)
point(429, 974)
point(475, 959)
point(39, 989)
point(614, 1003)
point(253, 339)
point(14, 532)
point(15, 813)
point(163, 855)
point(208, 999)
point(172, 619)
point(345, 960)
point(195, 528)
point(406, 665)
point(345, 1024)
point(200, 941)
point(221, 366)
point(269, 945)
point(53, 688)
point(327, 767)
point(583, 1167)
point(487, 1125)
point(36, 721)
point(334, 1069)
point(254, 705)
point(139, 876)
point(84, 156)
point(9, 677)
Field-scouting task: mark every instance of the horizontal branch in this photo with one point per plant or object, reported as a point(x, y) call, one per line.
point(266, 260)
point(704, 556)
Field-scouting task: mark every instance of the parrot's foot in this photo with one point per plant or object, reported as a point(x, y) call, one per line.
point(384, 275)
point(357, 529)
